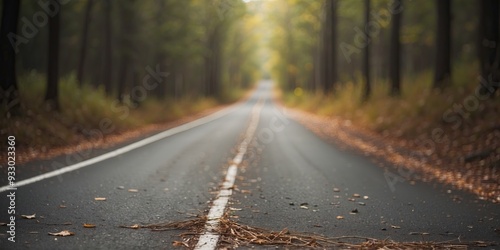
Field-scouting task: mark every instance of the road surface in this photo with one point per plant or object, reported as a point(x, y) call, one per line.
point(289, 178)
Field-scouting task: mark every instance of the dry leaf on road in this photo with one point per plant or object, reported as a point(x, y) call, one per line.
point(87, 225)
point(62, 233)
point(179, 244)
point(133, 190)
point(340, 217)
point(135, 226)
point(99, 198)
point(29, 217)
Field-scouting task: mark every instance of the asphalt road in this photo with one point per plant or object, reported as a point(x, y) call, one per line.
point(288, 179)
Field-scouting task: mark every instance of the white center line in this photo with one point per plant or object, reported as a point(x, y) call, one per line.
point(208, 240)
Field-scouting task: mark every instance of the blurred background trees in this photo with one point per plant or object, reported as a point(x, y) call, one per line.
point(110, 45)
point(381, 40)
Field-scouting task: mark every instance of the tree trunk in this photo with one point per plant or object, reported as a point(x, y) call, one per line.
point(395, 53)
point(52, 93)
point(333, 45)
point(83, 49)
point(9, 94)
point(122, 77)
point(126, 49)
point(442, 76)
point(489, 51)
point(212, 62)
point(366, 56)
point(290, 70)
point(108, 53)
point(327, 48)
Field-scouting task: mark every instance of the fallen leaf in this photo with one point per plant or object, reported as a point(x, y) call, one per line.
point(133, 190)
point(395, 227)
point(62, 206)
point(362, 203)
point(354, 211)
point(356, 195)
point(246, 191)
point(340, 217)
point(351, 199)
point(86, 225)
point(235, 209)
point(419, 233)
point(304, 207)
point(135, 226)
point(29, 217)
point(99, 198)
point(62, 233)
point(120, 187)
point(179, 244)
point(336, 190)
point(366, 197)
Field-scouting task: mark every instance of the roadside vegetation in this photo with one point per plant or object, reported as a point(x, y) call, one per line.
point(418, 110)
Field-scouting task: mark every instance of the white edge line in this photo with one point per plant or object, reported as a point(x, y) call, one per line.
point(122, 150)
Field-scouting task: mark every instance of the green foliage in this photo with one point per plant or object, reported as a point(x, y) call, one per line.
point(85, 110)
point(420, 108)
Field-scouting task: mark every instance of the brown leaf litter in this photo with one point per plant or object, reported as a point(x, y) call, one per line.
point(454, 164)
point(234, 235)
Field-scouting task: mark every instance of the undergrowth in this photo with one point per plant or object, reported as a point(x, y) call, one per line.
point(85, 110)
point(419, 108)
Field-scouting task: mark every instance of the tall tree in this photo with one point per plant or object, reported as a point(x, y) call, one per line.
point(442, 77)
point(291, 69)
point(127, 27)
point(329, 57)
point(83, 48)
point(212, 60)
point(489, 49)
point(9, 95)
point(108, 53)
point(52, 92)
point(366, 56)
point(395, 50)
point(333, 44)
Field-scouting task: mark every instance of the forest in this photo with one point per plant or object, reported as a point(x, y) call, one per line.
point(360, 124)
point(398, 67)
point(66, 65)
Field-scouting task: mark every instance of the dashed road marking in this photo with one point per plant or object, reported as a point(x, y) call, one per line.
point(208, 240)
